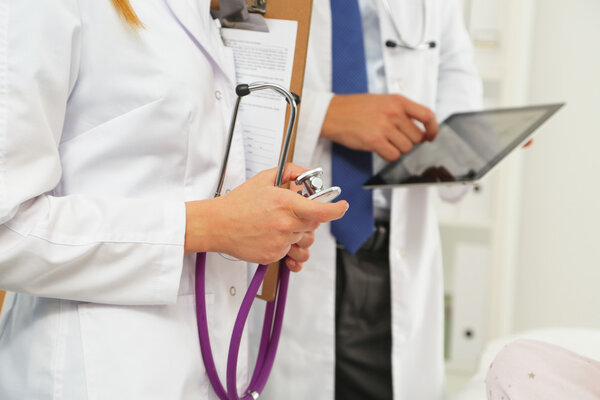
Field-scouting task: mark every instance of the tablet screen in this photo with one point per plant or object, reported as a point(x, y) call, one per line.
point(467, 146)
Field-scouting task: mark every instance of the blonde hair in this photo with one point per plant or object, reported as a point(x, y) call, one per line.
point(126, 11)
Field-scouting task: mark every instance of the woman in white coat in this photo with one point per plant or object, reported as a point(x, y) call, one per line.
point(444, 79)
point(111, 136)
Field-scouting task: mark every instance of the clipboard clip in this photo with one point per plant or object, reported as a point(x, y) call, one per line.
point(258, 6)
point(236, 14)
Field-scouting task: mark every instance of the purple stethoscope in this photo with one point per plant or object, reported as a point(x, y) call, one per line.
point(314, 189)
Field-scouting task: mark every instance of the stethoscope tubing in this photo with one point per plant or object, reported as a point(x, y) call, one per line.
point(271, 333)
point(421, 44)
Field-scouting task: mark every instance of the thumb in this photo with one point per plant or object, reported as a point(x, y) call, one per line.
point(290, 172)
point(311, 210)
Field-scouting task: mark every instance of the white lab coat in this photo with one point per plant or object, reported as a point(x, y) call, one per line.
point(104, 133)
point(445, 80)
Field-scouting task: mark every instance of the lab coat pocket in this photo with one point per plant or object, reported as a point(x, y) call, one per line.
point(143, 352)
point(93, 128)
point(140, 153)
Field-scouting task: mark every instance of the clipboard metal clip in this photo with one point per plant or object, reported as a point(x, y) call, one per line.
point(236, 14)
point(257, 6)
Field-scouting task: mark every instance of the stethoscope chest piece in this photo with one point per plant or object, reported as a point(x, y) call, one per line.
point(314, 188)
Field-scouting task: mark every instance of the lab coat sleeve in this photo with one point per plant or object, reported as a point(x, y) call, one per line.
point(309, 144)
point(459, 85)
point(106, 250)
point(316, 94)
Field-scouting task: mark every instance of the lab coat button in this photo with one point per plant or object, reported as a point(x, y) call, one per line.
point(232, 291)
point(398, 85)
point(218, 95)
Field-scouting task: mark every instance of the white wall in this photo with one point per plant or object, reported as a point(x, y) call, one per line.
point(558, 270)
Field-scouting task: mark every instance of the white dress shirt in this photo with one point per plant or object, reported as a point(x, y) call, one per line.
point(377, 85)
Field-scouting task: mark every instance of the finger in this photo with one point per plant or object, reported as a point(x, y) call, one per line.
point(308, 238)
point(295, 238)
point(424, 115)
point(298, 254)
point(293, 265)
point(388, 150)
point(295, 188)
point(290, 172)
point(430, 137)
point(311, 211)
point(401, 142)
point(308, 225)
point(409, 129)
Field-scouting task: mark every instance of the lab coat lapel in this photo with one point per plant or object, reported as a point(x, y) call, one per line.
point(188, 19)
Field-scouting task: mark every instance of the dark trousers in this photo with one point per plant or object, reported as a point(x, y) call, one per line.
point(363, 345)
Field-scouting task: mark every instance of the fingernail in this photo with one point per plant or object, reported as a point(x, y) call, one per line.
point(347, 206)
point(291, 262)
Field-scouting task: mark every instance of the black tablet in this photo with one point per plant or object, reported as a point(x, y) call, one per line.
point(466, 148)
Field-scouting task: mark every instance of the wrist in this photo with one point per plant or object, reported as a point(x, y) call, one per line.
point(330, 122)
point(200, 226)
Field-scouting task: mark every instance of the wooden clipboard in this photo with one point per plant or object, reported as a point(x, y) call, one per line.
point(291, 10)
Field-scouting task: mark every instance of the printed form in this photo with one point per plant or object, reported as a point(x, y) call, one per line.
point(263, 57)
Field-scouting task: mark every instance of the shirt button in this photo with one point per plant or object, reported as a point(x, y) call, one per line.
point(232, 291)
point(218, 95)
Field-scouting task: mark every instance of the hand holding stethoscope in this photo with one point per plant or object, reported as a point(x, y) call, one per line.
point(278, 222)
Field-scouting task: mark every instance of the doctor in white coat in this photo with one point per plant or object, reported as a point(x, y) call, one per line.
point(442, 78)
point(111, 136)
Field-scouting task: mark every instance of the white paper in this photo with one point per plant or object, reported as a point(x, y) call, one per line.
point(263, 57)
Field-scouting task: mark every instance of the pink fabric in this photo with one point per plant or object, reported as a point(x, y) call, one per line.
point(531, 370)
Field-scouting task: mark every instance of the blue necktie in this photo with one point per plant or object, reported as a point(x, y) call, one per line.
point(350, 168)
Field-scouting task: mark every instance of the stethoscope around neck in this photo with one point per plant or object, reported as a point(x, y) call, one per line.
point(399, 42)
point(313, 188)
